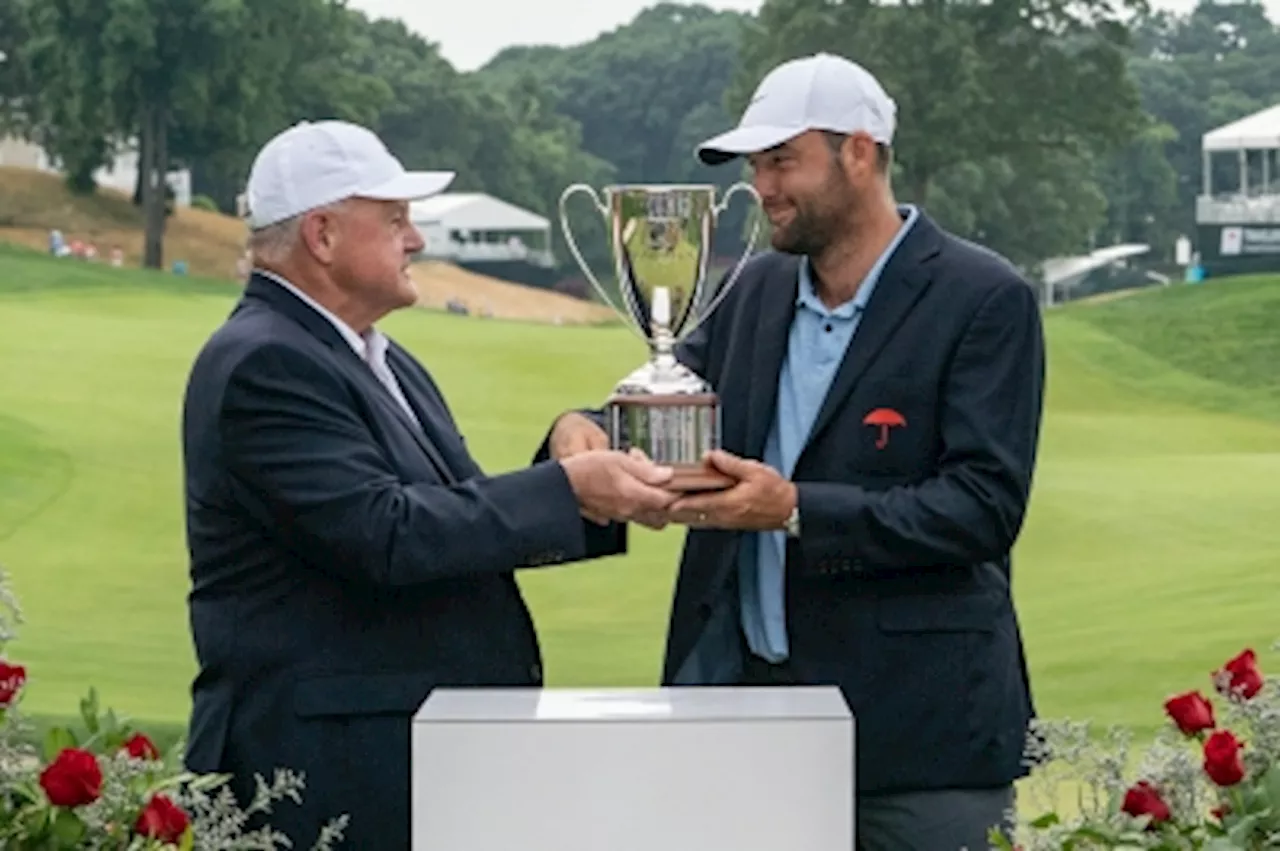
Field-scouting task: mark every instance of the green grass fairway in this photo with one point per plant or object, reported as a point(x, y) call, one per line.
point(1149, 555)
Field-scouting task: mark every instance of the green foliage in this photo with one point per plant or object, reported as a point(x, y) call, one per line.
point(68, 99)
point(1063, 126)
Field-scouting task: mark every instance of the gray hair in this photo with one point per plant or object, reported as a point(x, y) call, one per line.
point(274, 243)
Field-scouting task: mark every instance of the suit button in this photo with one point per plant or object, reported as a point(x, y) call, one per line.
point(704, 610)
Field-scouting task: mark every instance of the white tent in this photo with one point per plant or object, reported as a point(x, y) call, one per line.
point(1260, 133)
point(475, 211)
point(1066, 272)
point(476, 226)
point(1257, 132)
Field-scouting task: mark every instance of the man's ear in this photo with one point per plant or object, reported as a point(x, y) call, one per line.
point(319, 233)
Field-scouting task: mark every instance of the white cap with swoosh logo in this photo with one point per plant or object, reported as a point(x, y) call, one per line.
point(312, 164)
point(820, 92)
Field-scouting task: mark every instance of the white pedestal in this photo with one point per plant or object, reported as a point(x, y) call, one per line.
point(685, 769)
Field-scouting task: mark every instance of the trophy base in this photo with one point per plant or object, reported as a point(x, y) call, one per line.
point(694, 478)
point(673, 429)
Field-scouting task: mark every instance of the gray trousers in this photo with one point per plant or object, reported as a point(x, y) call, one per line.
point(948, 820)
point(955, 820)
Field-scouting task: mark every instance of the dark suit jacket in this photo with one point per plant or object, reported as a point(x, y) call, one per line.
point(898, 589)
point(344, 562)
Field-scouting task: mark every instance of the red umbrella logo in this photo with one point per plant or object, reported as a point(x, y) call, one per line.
point(885, 418)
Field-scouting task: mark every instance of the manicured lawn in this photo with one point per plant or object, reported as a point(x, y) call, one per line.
point(1149, 556)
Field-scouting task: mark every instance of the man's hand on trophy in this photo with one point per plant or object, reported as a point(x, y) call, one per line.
point(761, 500)
point(574, 434)
point(612, 485)
point(655, 518)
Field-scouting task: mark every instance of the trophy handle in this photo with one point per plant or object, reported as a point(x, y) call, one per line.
point(715, 212)
point(591, 193)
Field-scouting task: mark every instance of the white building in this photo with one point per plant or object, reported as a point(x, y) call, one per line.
point(474, 227)
point(1254, 143)
point(121, 174)
point(1238, 225)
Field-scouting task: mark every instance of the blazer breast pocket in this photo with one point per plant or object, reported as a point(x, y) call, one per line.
point(889, 429)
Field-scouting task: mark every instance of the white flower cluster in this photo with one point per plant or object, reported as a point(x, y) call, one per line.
point(1080, 777)
point(221, 824)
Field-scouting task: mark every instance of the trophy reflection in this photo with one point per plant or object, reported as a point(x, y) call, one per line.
point(660, 238)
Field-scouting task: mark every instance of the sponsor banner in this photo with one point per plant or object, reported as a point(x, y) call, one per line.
point(1241, 240)
point(1239, 249)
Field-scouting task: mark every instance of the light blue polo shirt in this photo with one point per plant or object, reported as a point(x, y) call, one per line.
point(816, 346)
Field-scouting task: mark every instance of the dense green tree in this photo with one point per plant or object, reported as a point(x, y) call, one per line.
point(1040, 129)
point(14, 34)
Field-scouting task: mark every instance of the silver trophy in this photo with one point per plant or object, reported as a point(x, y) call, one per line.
point(661, 237)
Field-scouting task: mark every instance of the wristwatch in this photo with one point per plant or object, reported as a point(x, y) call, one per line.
point(793, 523)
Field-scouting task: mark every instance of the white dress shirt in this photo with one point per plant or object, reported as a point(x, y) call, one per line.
point(370, 347)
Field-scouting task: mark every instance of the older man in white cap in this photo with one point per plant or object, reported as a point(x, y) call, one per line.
point(347, 553)
point(882, 386)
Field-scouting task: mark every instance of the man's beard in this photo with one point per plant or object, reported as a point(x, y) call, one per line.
point(813, 229)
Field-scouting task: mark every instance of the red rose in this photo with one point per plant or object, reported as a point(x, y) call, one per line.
point(1240, 675)
point(161, 819)
point(1144, 800)
point(1222, 760)
point(140, 747)
point(73, 779)
point(1191, 712)
point(12, 678)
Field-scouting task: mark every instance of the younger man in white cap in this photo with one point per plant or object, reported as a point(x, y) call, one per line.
point(882, 385)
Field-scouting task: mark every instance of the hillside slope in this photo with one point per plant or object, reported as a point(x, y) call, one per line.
point(1219, 342)
point(439, 282)
point(32, 203)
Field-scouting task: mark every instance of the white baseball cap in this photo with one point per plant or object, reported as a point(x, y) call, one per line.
point(820, 92)
point(316, 163)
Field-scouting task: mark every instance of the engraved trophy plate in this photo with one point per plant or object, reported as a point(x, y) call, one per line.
point(660, 238)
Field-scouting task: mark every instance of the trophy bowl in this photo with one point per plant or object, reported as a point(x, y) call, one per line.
point(660, 239)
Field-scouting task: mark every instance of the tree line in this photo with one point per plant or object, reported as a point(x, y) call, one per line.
point(1038, 129)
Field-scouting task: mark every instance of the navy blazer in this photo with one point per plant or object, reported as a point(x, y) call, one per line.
point(898, 588)
point(344, 562)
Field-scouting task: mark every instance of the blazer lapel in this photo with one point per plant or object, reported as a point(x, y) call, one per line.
point(263, 288)
point(902, 282)
point(392, 409)
point(777, 307)
point(432, 413)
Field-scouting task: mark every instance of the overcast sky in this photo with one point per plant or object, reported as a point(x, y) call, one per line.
point(470, 32)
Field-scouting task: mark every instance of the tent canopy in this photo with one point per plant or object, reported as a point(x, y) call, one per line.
point(1056, 270)
point(1257, 132)
point(474, 211)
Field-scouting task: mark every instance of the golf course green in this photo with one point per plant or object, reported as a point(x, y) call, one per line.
point(1149, 555)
